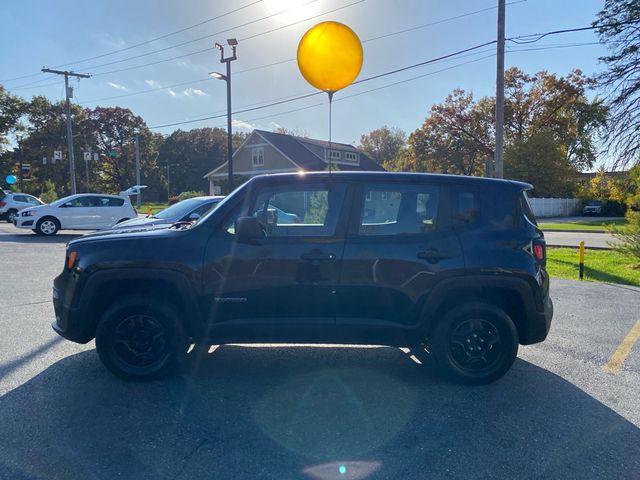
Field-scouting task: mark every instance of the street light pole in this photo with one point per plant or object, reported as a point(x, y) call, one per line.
point(138, 199)
point(233, 43)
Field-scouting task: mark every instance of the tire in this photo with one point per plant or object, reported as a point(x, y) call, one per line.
point(138, 340)
point(48, 226)
point(11, 214)
point(475, 343)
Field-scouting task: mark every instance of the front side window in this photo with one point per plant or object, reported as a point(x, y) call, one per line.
point(399, 210)
point(305, 211)
point(79, 202)
point(257, 157)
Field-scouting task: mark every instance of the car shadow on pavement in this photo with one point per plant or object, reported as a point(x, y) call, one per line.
point(308, 412)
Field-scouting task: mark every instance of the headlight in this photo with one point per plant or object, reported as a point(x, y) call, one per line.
point(27, 214)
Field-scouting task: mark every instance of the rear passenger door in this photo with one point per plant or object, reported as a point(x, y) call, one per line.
point(107, 212)
point(399, 246)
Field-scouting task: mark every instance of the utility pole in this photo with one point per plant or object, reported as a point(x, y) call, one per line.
point(69, 94)
point(498, 167)
point(233, 43)
point(138, 200)
point(168, 182)
point(20, 158)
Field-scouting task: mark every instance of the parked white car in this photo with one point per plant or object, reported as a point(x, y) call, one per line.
point(11, 203)
point(84, 211)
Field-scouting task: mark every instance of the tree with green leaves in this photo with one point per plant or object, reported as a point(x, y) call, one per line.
point(618, 25)
point(543, 113)
point(12, 108)
point(383, 144)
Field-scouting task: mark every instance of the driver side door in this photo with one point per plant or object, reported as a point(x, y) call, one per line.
point(282, 285)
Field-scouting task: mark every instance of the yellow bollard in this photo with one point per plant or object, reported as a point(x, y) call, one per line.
point(582, 260)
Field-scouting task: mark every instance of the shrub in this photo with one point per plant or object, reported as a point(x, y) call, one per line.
point(629, 236)
point(48, 194)
point(173, 200)
point(191, 194)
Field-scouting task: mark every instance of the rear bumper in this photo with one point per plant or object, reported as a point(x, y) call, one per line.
point(538, 326)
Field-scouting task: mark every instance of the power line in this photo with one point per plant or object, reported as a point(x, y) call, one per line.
point(292, 99)
point(281, 62)
point(161, 37)
point(112, 52)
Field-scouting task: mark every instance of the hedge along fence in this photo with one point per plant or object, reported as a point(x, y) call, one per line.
point(555, 207)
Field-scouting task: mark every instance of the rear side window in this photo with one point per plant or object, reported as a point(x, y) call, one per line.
point(115, 202)
point(399, 210)
point(526, 207)
point(465, 206)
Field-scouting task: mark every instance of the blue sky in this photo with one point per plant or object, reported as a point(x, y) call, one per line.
point(44, 33)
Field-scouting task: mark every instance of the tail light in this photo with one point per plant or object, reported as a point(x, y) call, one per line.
point(539, 250)
point(2, 204)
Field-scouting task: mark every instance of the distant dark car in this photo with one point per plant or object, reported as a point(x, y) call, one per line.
point(593, 207)
point(452, 264)
point(184, 211)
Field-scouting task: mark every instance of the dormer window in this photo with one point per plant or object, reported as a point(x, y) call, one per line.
point(257, 157)
point(335, 155)
point(351, 157)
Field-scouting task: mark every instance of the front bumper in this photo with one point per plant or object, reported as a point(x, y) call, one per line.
point(70, 322)
point(24, 222)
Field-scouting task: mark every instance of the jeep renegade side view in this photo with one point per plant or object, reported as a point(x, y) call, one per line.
point(456, 264)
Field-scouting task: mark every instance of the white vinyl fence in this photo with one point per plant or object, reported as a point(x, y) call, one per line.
point(555, 207)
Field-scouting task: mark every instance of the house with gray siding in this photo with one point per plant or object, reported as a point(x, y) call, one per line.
point(269, 152)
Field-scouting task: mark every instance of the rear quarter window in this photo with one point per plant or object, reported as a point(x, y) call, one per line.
point(526, 208)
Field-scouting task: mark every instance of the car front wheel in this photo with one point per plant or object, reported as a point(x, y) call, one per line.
point(140, 341)
point(475, 343)
point(48, 226)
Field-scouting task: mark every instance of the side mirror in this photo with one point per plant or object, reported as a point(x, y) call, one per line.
point(194, 216)
point(248, 228)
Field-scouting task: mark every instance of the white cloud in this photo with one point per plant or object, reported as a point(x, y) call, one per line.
point(172, 93)
point(194, 91)
point(117, 86)
point(152, 83)
point(242, 125)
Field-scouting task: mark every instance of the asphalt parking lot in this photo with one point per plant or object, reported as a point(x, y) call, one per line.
point(300, 412)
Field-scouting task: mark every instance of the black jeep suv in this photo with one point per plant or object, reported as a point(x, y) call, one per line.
point(454, 264)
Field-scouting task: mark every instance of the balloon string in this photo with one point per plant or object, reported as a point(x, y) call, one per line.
point(330, 117)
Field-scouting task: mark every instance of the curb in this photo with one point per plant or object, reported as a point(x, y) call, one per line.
point(576, 247)
point(573, 231)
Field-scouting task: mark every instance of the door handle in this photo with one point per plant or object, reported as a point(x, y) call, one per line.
point(433, 256)
point(317, 256)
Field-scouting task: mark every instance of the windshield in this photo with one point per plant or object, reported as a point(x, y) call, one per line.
point(180, 209)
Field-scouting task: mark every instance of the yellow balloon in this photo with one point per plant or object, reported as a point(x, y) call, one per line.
point(330, 56)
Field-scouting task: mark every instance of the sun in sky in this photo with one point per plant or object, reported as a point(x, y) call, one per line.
point(292, 10)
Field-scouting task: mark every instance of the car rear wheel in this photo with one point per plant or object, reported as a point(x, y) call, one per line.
point(11, 215)
point(475, 343)
point(48, 226)
point(139, 341)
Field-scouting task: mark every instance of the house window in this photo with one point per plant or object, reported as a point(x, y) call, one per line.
point(335, 155)
point(351, 157)
point(257, 157)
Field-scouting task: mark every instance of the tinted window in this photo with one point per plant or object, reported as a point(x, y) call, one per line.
point(111, 202)
point(310, 210)
point(20, 198)
point(80, 202)
point(399, 210)
point(526, 208)
point(33, 201)
point(465, 206)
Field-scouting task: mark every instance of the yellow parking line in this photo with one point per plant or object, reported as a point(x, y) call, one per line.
point(617, 359)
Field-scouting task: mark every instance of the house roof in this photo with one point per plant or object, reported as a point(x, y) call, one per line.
point(297, 149)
